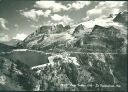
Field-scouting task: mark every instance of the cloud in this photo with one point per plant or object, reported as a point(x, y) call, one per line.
point(95, 11)
point(49, 23)
point(111, 4)
point(79, 4)
point(34, 14)
point(4, 37)
point(16, 25)
point(55, 7)
point(115, 11)
point(47, 13)
point(105, 8)
point(35, 26)
point(56, 17)
point(21, 36)
point(62, 19)
point(3, 23)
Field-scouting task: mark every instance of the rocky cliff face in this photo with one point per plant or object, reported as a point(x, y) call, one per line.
point(68, 61)
point(122, 17)
point(101, 38)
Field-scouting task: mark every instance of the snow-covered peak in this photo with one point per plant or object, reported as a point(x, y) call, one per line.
point(102, 21)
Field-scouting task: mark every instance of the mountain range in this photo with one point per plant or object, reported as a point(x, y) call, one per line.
point(89, 56)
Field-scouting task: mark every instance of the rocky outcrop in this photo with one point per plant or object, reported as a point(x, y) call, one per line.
point(79, 30)
point(60, 28)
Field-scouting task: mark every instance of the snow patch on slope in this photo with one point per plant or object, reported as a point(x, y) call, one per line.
point(102, 21)
point(105, 22)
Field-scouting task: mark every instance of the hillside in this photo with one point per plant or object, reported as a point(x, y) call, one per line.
point(5, 48)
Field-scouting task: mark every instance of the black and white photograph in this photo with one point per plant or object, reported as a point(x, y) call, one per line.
point(63, 45)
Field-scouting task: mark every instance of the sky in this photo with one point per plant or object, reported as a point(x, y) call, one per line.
point(19, 18)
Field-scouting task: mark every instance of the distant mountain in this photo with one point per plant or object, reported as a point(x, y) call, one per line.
point(5, 48)
point(12, 42)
